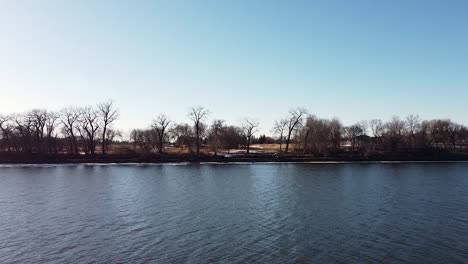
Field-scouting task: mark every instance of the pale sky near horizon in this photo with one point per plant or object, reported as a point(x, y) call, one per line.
point(354, 60)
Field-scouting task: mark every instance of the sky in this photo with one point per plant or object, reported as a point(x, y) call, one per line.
point(355, 60)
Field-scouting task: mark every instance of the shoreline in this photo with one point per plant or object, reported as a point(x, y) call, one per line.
point(36, 159)
point(57, 165)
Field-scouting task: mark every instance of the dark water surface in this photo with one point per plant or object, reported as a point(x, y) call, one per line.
point(263, 213)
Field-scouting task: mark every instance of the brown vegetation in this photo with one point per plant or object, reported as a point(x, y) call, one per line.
point(83, 131)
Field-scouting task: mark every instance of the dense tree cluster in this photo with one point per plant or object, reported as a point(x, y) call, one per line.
point(309, 134)
point(70, 130)
point(322, 136)
point(89, 130)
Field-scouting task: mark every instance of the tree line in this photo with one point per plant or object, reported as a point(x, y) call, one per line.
point(71, 130)
point(306, 133)
point(90, 130)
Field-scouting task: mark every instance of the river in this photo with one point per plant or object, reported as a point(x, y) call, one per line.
point(235, 213)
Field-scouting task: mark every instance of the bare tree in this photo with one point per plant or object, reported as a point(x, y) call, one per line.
point(50, 127)
point(377, 127)
point(7, 129)
point(215, 136)
point(279, 128)
point(455, 134)
point(43, 131)
point(182, 135)
point(108, 115)
point(160, 125)
point(136, 137)
point(198, 115)
point(310, 124)
point(413, 124)
point(150, 139)
point(353, 134)
point(394, 133)
point(321, 135)
point(38, 119)
point(364, 124)
point(24, 126)
point(396, 126)
point(335, 133)
point(69, 118)
point(249, 127)
point(294, 120)
point(114, 134)
point(440, 132)
point(89, 124)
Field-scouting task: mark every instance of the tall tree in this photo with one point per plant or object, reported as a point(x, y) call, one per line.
point(198, 115)
point(25, 128)
point(69, 118)
point(136, 137)
point(232, 137)
point(321, 135)
point(215, 135)
point(335, 133)
point(160, 125)
point(182, 135)
point(377, 128)
point(279, 128)
point(7, 129)
point(353, 134)
point(39, 119)
point(295, 119)
point(50, 127)
point(90, 124)
point(413, 124)
point(249, 127)
point(395, 133)
point(108, 114)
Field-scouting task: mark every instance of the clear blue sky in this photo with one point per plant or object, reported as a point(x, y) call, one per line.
point(349, 59)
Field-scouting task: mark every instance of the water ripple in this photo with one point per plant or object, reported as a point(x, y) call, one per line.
point(262, 213)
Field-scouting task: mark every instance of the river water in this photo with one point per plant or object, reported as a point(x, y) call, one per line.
point(244, 213)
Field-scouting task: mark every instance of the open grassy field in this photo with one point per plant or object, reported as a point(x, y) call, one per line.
point(255, 148)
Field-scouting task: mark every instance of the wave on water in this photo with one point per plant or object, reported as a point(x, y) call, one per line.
point(134, 164)
point(53, 165)
point(36, 165)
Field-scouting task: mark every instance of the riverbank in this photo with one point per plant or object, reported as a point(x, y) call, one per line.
point(20, 158)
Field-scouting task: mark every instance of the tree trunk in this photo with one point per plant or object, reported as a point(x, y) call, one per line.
point(160, 147)
point(287, 142)
point(198, 140)
point(8, 142)
point(74, 143)
point(103, 150)
point(281, 142)
point(305, 141)
point(91, 146)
